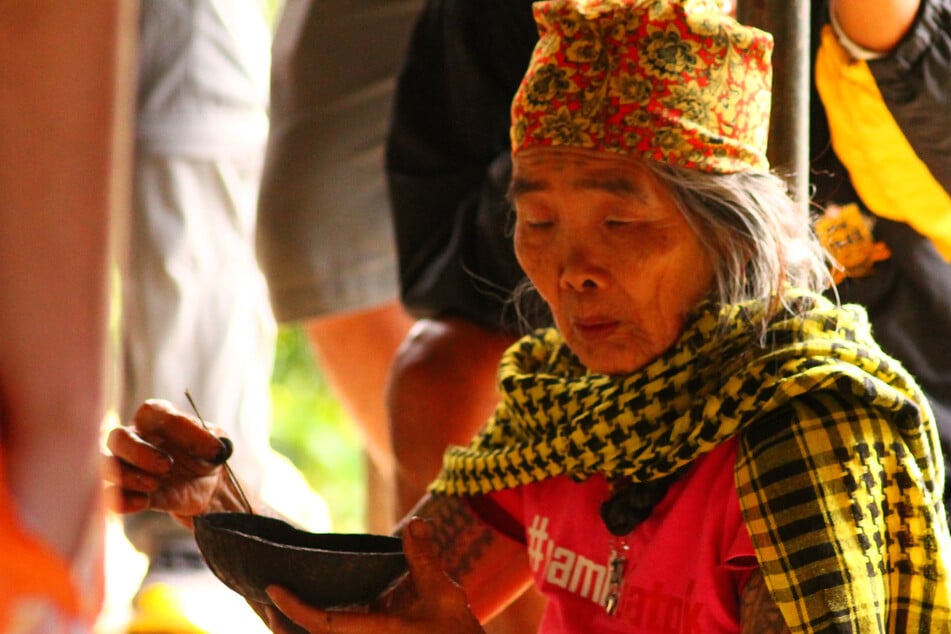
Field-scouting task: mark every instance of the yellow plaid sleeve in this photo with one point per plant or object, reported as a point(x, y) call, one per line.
point(845, 521)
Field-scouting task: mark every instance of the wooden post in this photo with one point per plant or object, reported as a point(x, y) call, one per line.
point(788, 149)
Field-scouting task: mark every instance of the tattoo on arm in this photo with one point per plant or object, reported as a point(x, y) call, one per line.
point(461, 538)
point(758, 612)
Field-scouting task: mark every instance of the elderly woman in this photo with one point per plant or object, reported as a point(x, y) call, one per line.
point(702, 443)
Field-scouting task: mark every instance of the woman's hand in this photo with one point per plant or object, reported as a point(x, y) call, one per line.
point(426, 601)
point(166, 460)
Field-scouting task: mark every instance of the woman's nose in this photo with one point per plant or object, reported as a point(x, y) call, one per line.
point(581, 273)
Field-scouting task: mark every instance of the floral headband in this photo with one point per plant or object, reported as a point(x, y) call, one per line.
point(675, 81)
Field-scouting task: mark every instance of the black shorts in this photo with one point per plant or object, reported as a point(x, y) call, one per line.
point(448, 160)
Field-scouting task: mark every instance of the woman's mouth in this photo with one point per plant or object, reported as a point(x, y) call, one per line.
point(595, 328)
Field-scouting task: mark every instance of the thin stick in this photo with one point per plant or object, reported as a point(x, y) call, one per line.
point(231, 475)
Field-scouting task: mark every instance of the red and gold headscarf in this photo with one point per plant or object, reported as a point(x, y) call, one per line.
point(675, 81)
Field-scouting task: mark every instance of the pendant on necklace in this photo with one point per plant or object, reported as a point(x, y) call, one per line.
point(629, 505)
point(616, 565)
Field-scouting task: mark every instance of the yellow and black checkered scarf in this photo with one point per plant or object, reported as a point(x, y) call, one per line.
point(838, 471)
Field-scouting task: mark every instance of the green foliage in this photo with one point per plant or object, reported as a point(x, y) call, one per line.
point(313, 431)
point(272, 9)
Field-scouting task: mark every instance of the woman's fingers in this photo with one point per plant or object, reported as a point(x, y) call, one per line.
point(275, 621)
point(135, 453)
point(194, 449)
point(279, 624)
point(121, 501)
point(421, 556)
point(135, 470)
point(436, 591)
point(289, 606)
point(160, 418)
point(132, 480)
point(425, 571)
point(324, 621)
point(164, 460)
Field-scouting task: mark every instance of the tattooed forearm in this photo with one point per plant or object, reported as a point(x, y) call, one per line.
point(492, 568)
point(461, 538)
point(758, 611)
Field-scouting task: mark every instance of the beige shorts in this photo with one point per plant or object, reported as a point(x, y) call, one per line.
point(325, 237)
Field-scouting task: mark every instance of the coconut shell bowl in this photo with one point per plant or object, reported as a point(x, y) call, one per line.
point(327, 570)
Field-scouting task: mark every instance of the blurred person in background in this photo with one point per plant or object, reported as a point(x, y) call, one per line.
point(325, 238)
point(64, 204)
point(195, 308)
point(880, 161)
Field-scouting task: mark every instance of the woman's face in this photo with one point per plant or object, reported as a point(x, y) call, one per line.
point(606, 246)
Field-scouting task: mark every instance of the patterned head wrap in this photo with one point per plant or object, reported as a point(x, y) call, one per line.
point(674, 81)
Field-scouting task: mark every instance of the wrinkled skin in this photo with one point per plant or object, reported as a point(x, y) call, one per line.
point(166, 461)
point(609, 250)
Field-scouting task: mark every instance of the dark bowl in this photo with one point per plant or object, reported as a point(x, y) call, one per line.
point(250, 552)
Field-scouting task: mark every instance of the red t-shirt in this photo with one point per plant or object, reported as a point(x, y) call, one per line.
point(686, 564)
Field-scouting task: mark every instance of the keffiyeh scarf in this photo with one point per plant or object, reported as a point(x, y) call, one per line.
point(842, 498)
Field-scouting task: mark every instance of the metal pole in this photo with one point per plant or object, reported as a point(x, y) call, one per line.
point(788, 149)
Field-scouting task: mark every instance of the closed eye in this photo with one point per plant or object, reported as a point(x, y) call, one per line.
point(620, 222)
point(539, 224)
point(534, 221)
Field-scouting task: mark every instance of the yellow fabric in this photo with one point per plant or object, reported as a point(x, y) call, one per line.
point(158, 610)
point(847, 236)
point(842, 496)
point(885, 171)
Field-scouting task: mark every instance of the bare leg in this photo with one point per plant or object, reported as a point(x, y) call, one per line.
point(441, 392)
point(354, 351)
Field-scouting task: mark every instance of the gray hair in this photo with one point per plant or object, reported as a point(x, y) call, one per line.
point(760, 240)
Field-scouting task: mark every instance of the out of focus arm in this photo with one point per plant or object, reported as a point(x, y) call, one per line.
point(66, 95)
point(888, 117)
point(876, 25)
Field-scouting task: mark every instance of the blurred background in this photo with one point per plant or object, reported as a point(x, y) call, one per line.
point(311, 429)
point(309, 426)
